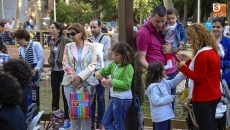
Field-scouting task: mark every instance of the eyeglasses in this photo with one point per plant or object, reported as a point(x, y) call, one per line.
point(216, 26)
point(72, 34)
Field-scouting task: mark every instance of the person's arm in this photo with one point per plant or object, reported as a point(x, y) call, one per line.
point(200, 68)
point(176, 80)
point(157, 98)
point(40, 55)
point(142, 42)
point(107, 69)
point(141, 58)
point(167, 48)
point(66, 65)
point(106, 47)
point(126, 80)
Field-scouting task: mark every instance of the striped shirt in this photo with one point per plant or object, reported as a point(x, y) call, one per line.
point(33, 54)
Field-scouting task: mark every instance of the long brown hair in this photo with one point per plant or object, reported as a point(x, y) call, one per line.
point(126, 51)
point(200, 37)
point(154, 73)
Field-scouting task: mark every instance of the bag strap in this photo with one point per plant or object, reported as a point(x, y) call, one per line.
point(192, 116)
point(101, 38)
point(157, 36)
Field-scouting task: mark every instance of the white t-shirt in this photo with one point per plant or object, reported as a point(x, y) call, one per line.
point(221, 50)
point(226, 30)
point(170, 36)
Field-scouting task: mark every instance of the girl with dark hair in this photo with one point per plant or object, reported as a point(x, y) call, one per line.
point(158, 91)
point(57, 45)
point(121, 71)
point(11, 116)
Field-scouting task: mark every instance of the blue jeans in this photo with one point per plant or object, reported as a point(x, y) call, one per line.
point(100, 95)
point(173, 90)
point(114, 117)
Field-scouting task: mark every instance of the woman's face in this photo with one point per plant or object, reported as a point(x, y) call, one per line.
point(22, 42)
point(74, 35)
point(117, 57)
point(53, 30)
point(217, 29)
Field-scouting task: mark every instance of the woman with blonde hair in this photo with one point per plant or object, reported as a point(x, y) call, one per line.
point(203, 72)
point(79, 63)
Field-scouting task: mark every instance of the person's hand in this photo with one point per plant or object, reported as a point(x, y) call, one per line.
point(33, 72)
point(78, 85)
point(98, 75)
point(181, 42)
point(165, 29)
point(102, 82)
point(179, 64)
point(183, 57)
point(167, 48)
point(106, 82)
point(77, 80)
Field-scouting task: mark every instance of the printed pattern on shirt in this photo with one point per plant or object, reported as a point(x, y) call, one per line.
point(29, 56)
point(3, 58)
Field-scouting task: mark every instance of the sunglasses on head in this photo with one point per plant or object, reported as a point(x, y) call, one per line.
point(72, 33)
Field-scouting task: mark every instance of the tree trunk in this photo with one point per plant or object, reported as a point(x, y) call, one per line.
point(185, 13)
point(38, 13)
point(168, 4)
point(195, 5)
point(18, 14)
point(228, 12)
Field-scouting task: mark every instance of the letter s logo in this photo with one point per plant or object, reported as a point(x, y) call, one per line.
point(216, 7)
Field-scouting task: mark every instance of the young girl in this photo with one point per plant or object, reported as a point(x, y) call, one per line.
point(121, 71)
point(159, 94)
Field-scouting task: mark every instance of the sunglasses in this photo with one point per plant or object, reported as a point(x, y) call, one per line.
point(72, 34)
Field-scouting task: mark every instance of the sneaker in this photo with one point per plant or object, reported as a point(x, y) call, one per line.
point(98, 127)
point(66, 126)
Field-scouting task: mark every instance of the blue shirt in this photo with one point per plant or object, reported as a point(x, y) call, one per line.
point(79, 69)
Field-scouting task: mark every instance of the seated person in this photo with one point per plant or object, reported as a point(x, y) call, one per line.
point(11, 116)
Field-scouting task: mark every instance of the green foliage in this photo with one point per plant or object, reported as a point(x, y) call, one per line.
point(143, 8)
point(74, 12)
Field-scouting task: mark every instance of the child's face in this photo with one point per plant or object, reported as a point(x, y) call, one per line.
point(171, 19)
point(117, 57)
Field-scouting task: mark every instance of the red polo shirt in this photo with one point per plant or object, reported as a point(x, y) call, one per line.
point(147, 41)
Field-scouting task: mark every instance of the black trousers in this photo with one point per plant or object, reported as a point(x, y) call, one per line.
point(205, 114)
point(56, 79)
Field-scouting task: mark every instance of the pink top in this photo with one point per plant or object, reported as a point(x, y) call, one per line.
point(147, 41)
